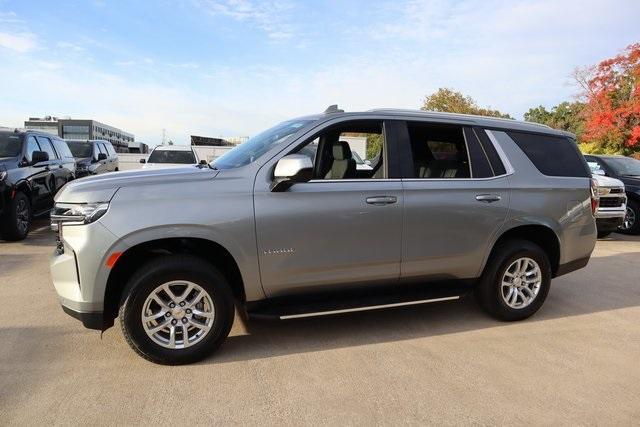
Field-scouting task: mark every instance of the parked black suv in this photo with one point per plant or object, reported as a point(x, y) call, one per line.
point(33, 166)
point(627, 170)
point(93, 157)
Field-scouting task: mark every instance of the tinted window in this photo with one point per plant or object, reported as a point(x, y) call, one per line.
point(45, 145)
point(10, 144)
point(170, 156)
point(552, 155)
point(110, 149)
point(480, 166)
point(439, 151)
point(490, 150)
point(80, 149)
point(104, 149)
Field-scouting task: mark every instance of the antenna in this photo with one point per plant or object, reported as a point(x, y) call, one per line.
point(331, 109)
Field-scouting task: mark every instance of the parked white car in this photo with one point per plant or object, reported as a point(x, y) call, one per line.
point(612, 204)
point(166, 156)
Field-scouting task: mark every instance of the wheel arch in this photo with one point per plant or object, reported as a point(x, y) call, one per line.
point(540, 234)
point(135, 256)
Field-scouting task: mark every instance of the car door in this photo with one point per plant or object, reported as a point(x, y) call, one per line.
point(456, 195)
point(328, 233)
point(37, 175)
point(53, 169)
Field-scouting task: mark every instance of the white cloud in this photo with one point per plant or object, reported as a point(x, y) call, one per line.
point(70, 46)
point(272, 17)
point(18, 42)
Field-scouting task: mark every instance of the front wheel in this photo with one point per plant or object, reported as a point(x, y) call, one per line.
point(631, 223)
point(515, 282)
point(16, 220)
point(176, 310)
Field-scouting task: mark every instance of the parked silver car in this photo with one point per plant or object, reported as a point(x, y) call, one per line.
point(612, 204)
point(452, 204)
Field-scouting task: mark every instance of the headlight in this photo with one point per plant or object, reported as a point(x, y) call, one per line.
point(603, 191)
point(77, 213)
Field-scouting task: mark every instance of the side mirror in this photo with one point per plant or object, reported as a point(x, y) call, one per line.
point(290, 170)
point(102, 156)
point(143, 161)
point(39, 157)
point(367, 162)
point(203, 162)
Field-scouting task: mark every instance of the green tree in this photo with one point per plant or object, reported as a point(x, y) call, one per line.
point(451, 101)
point(374, 145)
point(564, 116)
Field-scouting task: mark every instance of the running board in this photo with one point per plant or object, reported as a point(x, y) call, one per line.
point(353, 301)
point(371, 307)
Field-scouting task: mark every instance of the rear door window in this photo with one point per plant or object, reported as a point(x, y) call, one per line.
point(438, 151)
point(552, 155)
point(32, 145)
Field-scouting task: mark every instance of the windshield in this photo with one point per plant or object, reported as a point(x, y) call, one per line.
point(80, 149)
point(172, 156)
point(10, 144)
point(255, 147)
point(624, 165)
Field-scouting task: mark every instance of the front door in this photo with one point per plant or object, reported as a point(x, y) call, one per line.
point(344, 227)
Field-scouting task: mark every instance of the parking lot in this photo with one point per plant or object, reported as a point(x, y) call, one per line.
point(576, 361)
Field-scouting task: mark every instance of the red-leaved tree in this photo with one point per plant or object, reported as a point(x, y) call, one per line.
point(612, 94)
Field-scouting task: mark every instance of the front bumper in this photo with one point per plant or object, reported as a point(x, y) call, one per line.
point(78, 270)
point(92, 320)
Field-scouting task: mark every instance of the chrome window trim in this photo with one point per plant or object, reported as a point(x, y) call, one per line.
point(503, 157)
point(353, 180)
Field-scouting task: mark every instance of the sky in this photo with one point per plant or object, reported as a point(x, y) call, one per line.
point(234, 67)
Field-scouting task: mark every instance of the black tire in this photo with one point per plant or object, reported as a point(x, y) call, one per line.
point(488, 291)
point(634, 206)
point(163, 270)
point(603, 234)
point(16, 218)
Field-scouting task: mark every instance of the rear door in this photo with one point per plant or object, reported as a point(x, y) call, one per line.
point(56, 176)
point(38, 176)
point(456, 195)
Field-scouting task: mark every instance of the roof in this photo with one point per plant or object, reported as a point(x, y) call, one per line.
point(469, 119)
point(173, 148)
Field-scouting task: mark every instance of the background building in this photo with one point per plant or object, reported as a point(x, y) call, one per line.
point(75, 129)
point(138, 147)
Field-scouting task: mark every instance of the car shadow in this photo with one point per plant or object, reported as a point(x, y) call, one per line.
point(575, 294)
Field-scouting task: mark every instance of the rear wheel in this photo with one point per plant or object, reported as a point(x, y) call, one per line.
point(16, 219)
point(631, 223)
point(176, 310)
point(515, 282)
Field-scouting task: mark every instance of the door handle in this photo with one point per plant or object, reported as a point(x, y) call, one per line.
point(488, 198)
point(381, 200)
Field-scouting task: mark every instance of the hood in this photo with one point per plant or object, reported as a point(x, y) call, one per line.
point(101, 188)
point(8, 162)
point(85, 161)
point(631, 182)
point(605, 181)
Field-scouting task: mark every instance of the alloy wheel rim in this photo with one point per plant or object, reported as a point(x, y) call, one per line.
point(629, 219)
point(178, 314)
point(22, 216)
point(521, 283)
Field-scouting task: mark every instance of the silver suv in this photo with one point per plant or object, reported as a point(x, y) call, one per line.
point(286, 226)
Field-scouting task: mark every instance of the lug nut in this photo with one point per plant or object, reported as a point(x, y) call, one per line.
point(188, 311)
point(172, 305)
point(167, 314)
point(174, 321)
point(182, 304)
point(184, 320)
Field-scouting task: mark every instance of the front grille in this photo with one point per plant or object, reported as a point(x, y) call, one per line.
point(611, 202)
point(616, 191)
